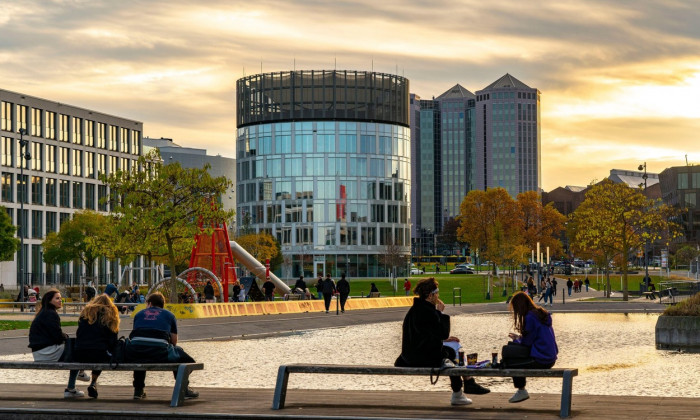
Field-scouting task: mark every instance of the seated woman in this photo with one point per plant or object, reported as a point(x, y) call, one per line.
point(424, 329)
point(47, 340)
point(97, 335)
point(534, 325)
point(372, 289)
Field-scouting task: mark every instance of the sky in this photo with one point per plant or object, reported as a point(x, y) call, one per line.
point(620, 80)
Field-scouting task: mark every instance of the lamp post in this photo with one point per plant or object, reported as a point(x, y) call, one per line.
point(647, 280)
point(24, 156)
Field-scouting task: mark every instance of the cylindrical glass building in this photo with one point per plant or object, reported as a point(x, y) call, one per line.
point(324, 165)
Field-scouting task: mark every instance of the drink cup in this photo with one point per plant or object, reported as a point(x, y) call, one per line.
point(472, 358)
point(494, 357)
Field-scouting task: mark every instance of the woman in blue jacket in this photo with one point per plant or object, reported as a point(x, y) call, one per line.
point(534, 325)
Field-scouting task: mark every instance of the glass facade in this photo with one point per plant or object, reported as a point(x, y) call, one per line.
point(335, 193)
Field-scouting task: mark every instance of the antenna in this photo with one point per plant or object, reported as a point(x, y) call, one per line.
point(686, 160)
point(295, 64)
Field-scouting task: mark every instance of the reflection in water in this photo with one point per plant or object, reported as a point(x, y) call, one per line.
point(615, 355)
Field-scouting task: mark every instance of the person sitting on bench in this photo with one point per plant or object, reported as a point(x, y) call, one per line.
point(425, 327)
point(652, 290)
point(534, 324)
point(153, 340)
point(48, 341)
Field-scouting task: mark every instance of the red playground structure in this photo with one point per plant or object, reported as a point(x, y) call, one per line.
point(213, 252)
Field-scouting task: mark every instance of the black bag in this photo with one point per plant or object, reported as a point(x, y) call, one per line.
point(69, 345)
point(118, 352)
point(515, 355)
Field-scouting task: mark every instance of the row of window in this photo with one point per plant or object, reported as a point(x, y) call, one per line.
point(344, 236)
point(688, 180)
point(308, 211)
point(52, 192)
point(66, 128)
point(328, 189)
point(41, 223)
point(63, 160)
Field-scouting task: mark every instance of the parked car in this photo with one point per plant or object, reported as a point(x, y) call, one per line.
point(415, 270)
point(461, 270)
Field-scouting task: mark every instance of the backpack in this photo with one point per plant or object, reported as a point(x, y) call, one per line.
point(119, 352)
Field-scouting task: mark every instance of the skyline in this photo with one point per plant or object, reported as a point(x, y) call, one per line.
point(619, 86)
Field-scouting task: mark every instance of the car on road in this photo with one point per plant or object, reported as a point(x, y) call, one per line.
point(415, 270)
point(465, 265)
point(461, 270)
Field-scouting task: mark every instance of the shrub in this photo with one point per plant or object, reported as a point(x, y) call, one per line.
point(688, 307)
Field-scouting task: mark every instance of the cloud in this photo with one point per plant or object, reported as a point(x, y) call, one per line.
point(620, 81)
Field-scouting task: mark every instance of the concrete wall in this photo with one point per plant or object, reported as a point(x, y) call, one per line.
point(678, 333)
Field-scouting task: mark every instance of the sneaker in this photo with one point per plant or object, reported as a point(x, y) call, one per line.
point(191, 394)
point(447, 363)
point(92, 391)
point(471, 387)
point(520, 395)
point(139, 394)
point(82, 376)
point(458, 398)
point(73, 393)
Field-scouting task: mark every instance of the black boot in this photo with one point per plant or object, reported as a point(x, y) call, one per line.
point(471, 387)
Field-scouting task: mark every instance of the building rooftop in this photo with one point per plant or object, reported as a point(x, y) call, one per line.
point(633, 179)
point(457, 92)
point(507, 81)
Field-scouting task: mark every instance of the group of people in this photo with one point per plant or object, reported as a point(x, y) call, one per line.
point(152, 339)
point(576, 285)
point(426, 329)
point(326, 288)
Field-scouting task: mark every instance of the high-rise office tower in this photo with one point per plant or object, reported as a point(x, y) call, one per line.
point(443, 160)
point(323, 163)
point(508, 136)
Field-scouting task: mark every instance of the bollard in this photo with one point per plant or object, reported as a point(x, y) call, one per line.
point(563, 295)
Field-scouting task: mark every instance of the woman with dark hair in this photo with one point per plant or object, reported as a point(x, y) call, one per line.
point(97, 335)
point(424, 329)
point(534, 326)
point(47, 340)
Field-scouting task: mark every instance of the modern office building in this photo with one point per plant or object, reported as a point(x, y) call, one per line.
point(55, 175)
point(680, 188)
point(443, 159)
point(189, 157)
point(323, 162)
point(508, 149)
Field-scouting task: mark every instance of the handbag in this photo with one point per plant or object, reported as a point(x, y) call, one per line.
point(515, 355)
point(118, 352)
point(68, 346)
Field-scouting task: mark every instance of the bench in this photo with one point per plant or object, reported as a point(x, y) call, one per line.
point(284, 371)
point(181, 381)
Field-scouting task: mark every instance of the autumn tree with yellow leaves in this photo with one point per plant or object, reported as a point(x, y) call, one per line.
point(613, 222)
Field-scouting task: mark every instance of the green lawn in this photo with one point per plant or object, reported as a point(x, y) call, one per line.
point(23, 325)
point(473, 287)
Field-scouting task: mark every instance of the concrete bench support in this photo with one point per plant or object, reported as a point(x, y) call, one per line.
point(283, 377)
point(182, 378)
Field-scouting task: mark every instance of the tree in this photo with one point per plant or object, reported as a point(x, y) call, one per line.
point(448, 239)
point(79, 238)
point(9, 244)
point(543, 224)
point(261, 246)
point(394, 256)
point(686, 254)
point(490, 222)
point(157, 208)
point(614, 221)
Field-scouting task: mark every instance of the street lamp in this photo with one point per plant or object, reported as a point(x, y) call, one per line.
point(24, 156)
point(647, 280)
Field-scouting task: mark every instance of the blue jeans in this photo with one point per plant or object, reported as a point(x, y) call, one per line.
point(569, 291)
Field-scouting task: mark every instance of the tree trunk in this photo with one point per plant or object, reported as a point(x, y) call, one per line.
point(173, 274)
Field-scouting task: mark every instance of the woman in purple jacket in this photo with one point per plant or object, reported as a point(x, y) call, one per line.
point(534, 325)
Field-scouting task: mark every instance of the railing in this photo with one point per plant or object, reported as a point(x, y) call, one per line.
point(75, 307)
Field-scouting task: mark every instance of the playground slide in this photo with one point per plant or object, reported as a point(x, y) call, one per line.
point(257, 269)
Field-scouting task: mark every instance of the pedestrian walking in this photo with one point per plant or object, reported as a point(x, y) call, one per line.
point(328, 290)
point(343, 291)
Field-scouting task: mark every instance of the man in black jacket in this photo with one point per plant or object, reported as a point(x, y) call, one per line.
point(425, 327)
point(344, 291)
point(328, 288)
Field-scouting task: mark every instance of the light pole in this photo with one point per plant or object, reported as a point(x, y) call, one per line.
point(24, 156)
point(647, 280)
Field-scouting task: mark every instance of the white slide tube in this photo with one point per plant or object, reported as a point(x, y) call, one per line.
point(255, 267)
